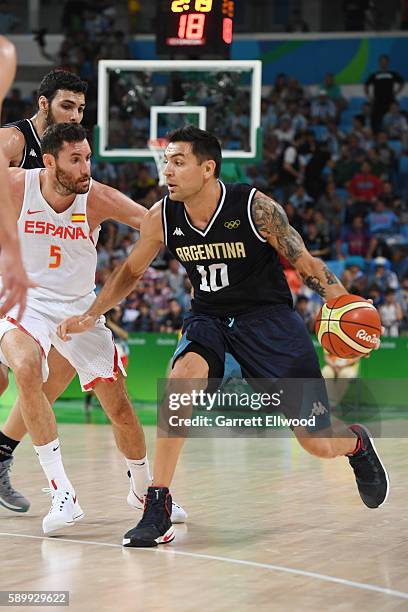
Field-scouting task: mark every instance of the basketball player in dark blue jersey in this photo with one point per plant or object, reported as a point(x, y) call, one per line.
point(61, 99)
point(228, 237)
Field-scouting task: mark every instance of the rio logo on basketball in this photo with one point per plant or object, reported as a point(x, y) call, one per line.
point(348, 326)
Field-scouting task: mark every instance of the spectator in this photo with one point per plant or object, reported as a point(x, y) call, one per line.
point(268, 114)
point(386, 84)
point(322, 224)
point(378, 167)
point(143, 321)
point(382, 221)
point(395, 123)
point(333, 91)
point(175, 277)
point(374, 294)
point(365, 114)
point(172, 321)
point(391, 314)
point(356, 146)
point(356, 241)
point(345, 168)
point(317, 244)
point(353, 278)
point(400, 262)
point(293, 93)
point(313, 176)
point(385, 152)
point(323, 109)
point(290, 170)
point(285, 132)
point(382, 276)
point(298, 120)
point(300, 199)
point(365, 188)
point(333, 139)
point(331, 203)
point(280, 86)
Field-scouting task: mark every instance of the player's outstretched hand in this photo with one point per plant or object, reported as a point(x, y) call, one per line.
point(75, 325)
point(15, 283)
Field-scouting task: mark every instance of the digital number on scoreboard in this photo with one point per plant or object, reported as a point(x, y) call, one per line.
point(202, 27)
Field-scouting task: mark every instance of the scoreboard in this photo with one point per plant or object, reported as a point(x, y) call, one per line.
point(195, 28)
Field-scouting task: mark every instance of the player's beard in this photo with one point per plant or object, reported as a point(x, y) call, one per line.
point(50, 119)
point(65, 185)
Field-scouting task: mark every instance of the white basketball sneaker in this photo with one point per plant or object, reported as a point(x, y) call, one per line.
point(65, 511)
point(178, 514)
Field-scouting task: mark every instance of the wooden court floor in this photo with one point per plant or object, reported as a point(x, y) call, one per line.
point(270, 528)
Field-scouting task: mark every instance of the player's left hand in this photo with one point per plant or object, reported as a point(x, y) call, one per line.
point(75, 325)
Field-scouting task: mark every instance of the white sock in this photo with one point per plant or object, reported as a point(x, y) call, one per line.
point(140, 475)
point(50, 459)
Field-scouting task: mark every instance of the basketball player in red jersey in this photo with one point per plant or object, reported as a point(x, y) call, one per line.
point(59, 214)
point(61, 99)
point(242, 305)
point(15, 280)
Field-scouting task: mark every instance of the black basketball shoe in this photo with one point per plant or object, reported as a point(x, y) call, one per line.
point(371, 477)
point(155, 526)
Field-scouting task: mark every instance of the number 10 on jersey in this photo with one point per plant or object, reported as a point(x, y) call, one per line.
point(211, 276)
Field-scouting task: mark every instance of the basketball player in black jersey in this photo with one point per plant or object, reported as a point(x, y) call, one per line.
point(61, 99)
point(228, 237)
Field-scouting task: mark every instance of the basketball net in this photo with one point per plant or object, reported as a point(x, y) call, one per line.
point(157, 147)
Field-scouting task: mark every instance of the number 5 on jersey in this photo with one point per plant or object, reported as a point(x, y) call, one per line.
point(215, 273)
point(55, 256)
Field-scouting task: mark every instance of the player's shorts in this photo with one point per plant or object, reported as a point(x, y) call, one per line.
point(93, 353)
point(268, 345)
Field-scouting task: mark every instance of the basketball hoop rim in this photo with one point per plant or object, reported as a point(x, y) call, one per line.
point(157, 143)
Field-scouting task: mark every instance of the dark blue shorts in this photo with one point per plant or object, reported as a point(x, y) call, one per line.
point(270, 344)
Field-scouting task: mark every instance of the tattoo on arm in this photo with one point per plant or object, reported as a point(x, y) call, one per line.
point(317, 283)
point(314, 283)
point(330, 276)
point(271, 222)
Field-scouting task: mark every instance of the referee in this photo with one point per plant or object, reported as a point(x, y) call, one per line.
point(386, 85)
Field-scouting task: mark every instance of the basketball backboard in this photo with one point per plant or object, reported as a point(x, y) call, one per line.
point(142, 100)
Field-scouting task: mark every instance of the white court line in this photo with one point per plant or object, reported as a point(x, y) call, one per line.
point(267, 566)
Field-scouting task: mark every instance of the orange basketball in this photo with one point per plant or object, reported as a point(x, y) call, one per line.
point(348, 326)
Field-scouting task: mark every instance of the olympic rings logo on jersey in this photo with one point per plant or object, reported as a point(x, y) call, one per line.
point(232, 224)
